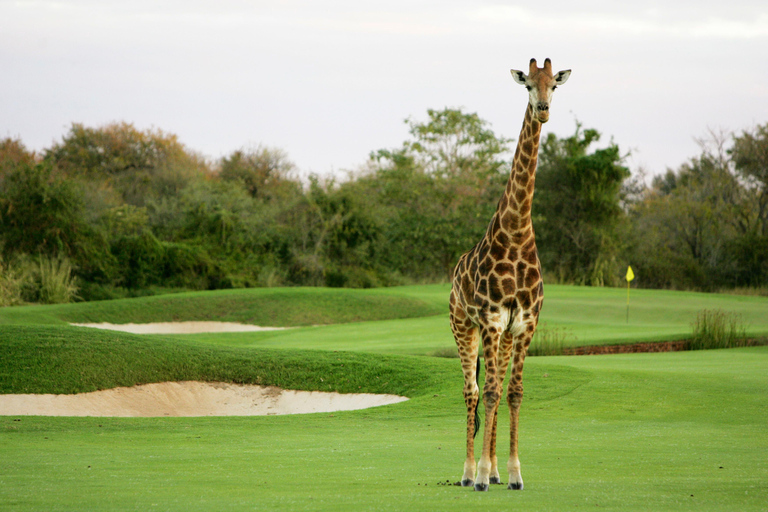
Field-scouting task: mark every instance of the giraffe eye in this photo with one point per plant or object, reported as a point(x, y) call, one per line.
point(528, 87)
point(554, 87)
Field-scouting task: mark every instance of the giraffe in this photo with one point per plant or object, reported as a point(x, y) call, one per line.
point(497, 293)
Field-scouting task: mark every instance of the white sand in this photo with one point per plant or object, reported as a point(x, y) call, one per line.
point(180, 327)
point(189, 399)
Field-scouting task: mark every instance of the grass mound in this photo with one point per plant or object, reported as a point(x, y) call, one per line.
point(276, 307)
point(60, 359)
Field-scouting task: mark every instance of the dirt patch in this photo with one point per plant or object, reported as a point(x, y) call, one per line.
point(190, 399)
point(180, 327)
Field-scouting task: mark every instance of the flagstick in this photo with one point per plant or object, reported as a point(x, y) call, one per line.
point(630, 277)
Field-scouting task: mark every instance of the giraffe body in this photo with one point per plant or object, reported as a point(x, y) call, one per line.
point(497, 293)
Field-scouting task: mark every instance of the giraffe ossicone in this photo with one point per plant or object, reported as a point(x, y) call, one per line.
point(497, 293)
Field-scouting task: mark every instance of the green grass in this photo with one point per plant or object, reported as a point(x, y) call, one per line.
point(673, 431)
point(677, 431)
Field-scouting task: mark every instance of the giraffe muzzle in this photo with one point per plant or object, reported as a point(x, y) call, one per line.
point(542, 112)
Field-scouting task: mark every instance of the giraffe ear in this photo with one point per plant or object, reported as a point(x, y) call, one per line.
point(519, 76)
point(562, 77)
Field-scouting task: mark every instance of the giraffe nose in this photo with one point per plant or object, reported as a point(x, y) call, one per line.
point(543, 107)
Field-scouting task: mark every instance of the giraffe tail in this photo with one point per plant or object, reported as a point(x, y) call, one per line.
point(477, 403)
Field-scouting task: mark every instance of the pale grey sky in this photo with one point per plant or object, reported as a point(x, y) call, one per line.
point(329, 82)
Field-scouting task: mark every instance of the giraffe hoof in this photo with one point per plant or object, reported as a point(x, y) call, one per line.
point(481, 487)
point(515, 486)
point(495, 480)
point(467, 483)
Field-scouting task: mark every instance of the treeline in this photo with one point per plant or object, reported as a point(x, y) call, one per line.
point(115, 211)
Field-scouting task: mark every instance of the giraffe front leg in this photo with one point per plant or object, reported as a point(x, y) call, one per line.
point(515, 399)
point(495, 477)
point(491, 397)
point(472, 400)
point(484, 468)
point(505, 349)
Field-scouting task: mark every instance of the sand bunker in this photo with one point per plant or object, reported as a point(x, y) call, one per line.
point(190, 399)
point(180, 327)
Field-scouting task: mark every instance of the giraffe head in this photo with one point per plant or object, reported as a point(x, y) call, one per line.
point(540, 84)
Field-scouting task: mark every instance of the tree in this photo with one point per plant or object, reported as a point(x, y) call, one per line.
point(137, 164)
point(452, 143)
point(700, 227)
point(577, 211)
point(678, 227)
point(749, 154)
point(750, 158)
point(437, 191)
point(335, 234)
point(13, 153)
point(265, 173)
point(42, 213)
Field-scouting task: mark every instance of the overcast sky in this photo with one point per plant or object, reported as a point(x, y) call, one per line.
point(331, 81)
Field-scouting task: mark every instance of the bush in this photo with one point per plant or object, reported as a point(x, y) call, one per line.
point(188, 265)
point(140, 259)
point(41, 211)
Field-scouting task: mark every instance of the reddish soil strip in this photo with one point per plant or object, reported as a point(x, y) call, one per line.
point(661, 346)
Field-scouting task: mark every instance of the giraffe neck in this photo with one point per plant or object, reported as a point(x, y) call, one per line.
point(514, 210)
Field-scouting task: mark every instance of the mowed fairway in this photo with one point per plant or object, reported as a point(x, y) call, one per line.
point(584, 315)
point(673, 431)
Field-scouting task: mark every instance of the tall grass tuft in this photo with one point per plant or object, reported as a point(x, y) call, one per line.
point(718, 329)
point(56, 282)
point(12, 281)
point(549, 341)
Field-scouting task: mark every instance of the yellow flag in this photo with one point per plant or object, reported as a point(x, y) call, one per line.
point(630, 276)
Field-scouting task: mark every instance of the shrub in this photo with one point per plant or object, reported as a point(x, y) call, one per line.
point(140, 259)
